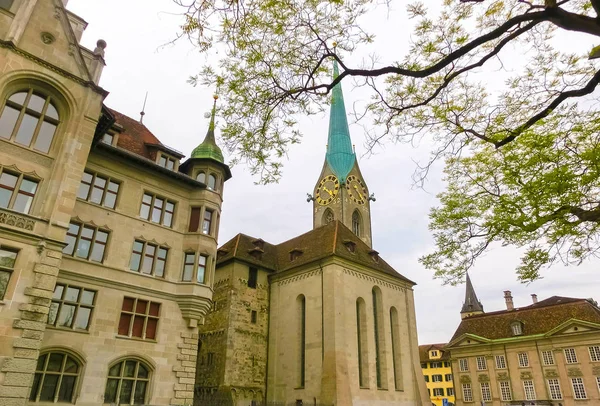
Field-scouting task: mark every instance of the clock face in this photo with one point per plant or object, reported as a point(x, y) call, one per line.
point(327, 190)
point(356, 190)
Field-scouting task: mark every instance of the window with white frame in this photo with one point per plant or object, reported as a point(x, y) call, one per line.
point(481, 364)
point(517, 329)
point(523, 359)
point(467, 392)
point(449, 391)
point(555, 392)
point(529, 390)
point(463, 364)
point(500, 362)
point(486, 393)
point(570, 355)
point(595, 353)
point(438, 391)
point(505, 393)
point(437, 364)
point(578, 388)
point(436, 378)
point(434, 353)
point(547, 357)
point(448, 377)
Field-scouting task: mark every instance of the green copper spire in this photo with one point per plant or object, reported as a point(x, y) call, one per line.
point(209, 148)
point(340, 155)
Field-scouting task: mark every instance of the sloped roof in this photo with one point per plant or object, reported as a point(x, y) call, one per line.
point(538, 318)
point(322, 242)
point(424, 352)
point(471, 304)
point(136, 137)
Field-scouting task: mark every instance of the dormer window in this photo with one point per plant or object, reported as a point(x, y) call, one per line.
point(517, 328)
point(374, 255)
point(350, 245)
point(433, 354)
point(167, 162)
point(259, 243)
point(108, 138)
point(256, 253)
point(295, 253)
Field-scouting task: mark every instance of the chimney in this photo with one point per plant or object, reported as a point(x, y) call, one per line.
point(509, 300)
point(534, 298)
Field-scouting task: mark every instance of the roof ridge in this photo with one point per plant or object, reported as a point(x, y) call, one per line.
point(237, 242)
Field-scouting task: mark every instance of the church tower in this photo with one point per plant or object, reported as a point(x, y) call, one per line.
point(472, 305)
point(341, 192)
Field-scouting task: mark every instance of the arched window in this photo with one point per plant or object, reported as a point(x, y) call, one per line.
point(396, 351)
point(29, 119)
point(55, 379)
point(356, 223)
point(301, 328)
point(201, 177)
point(328, 216)
point(361, 338)
point(127, 383)
point(380, 364)
point(212, 182)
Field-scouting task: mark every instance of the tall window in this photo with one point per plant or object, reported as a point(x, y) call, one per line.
point(55, 378)
point(328, 216)
point(71, 307)
point(500, 362)
point(523, 359)
point(396, 351)
point(149, 259)
point(85, 241)
point(505, 393)
point(517, 329)
point(212, 182)
point(127, 383)
point(301, 329)
point(194, 269)
point(252, 277)
point(570, 355)
point(139, 318)
point(547, 357)
point(194, 219)
point(361, 339)
point(7, 265)
point(578, 388)
point(449, 391)
point(98, 189)
point(157, 209)
point(594, 353)
point(356, 223)
point(380, 364)
point(529, 390)
point(481, 363)
point(207, 221)
point(467, 392)
point(17, 192)
point(486, 393)
point(201, 177)
point(463, 364)
point(554, 386)
point(29, 119)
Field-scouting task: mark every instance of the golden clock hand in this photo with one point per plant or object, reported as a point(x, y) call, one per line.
point(328, 191)
point(361, 196)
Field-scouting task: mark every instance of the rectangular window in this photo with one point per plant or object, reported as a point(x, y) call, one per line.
point(436, 365)
point(149, 259)
point(194, 219)
point(426, 378)
point(202, 259)
point(157, 209)
point(17, 192)
point(207, 222)
point(252, 277)
point(85, 241)
point(486, 393)
point(500, 362)
point(166, 162)
point(71, 307)
point(529, 390)
point(107, 138)
point(424, 365)
point(463, 364)
point(436, 378)
point(7, 265)
point(98, 189)
point(523, 359)
point(570, 356)
point(434, 353)
point(467, 392)
point(555, 392)
point(438, 391)
point(547, 357)
point(253, 316)
point(139, 318)
point(598, 382)
point(449, 391)
point(481, 364)
point(578, 388)
point(448, 377)
point(594, 353)
point(447, 364)
point(192, 270)
point(505, 393)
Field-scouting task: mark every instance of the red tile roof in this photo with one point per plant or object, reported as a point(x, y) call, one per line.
point(136, 137)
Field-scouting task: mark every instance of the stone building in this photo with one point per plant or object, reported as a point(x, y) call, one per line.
point(318, 319)
point(545, 353)
point(437, 371)
point(107, 242)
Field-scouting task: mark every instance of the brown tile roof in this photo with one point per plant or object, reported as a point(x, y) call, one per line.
point(424, 352)
point(320, 243)
point(538, 318)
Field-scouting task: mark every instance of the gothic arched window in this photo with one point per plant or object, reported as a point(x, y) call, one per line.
point(328, 217)
point(356, 226)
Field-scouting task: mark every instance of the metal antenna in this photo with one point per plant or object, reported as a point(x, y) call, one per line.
point(142, 113)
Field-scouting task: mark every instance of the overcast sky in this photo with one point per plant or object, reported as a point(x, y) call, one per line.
point(135, 31)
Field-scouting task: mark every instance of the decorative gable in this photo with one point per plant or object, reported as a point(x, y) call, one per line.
point(573, 326)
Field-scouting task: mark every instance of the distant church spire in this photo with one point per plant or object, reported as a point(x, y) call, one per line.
point(209, 148)
point(472, 305)
point(340, 155)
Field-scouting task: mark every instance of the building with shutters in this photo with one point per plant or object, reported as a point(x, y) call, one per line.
point(437, 371)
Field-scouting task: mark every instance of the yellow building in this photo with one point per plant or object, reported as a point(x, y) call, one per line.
point(437, 369)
